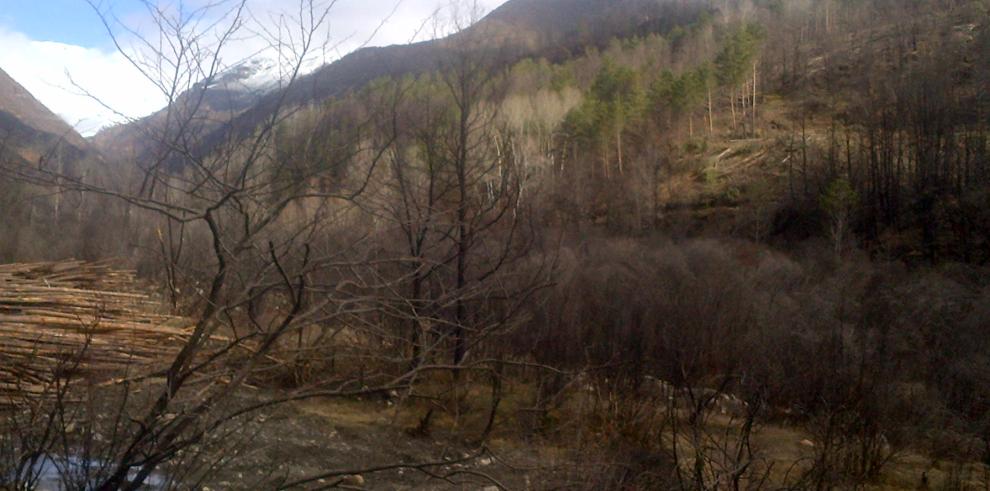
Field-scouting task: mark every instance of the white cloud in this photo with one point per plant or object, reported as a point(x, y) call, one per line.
point(45, 68)
point(55, 72)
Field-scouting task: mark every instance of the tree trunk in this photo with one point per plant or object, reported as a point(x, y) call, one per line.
point(711, 119)
point(605, 161)
point(460, 311)
point(732, 101)
point(828, 16)
point(415, 331)
point(618, 148)
point(656, 190)
point(804, 156)
point(754, 97)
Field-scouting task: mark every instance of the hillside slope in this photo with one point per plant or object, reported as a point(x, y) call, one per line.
point(29, 129)
point(552, 29)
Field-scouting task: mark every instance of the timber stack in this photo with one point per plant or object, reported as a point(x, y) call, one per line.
point(77, 320)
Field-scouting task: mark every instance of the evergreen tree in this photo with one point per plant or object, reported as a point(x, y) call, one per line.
point(614, 99)
point(736, 60)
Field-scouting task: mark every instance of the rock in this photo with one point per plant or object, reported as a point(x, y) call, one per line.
point(485, 461)
point(353, 480)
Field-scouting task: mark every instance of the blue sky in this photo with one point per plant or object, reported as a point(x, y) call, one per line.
point(64, 21)
point(60, 51)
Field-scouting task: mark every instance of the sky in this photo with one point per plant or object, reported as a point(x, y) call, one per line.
point(61, 52)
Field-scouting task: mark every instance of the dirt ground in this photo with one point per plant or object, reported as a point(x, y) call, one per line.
point(310, 438)
point(303, 439)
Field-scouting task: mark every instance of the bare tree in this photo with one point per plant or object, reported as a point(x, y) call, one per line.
point(235, 196)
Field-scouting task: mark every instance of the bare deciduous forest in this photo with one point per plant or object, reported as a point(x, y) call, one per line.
point(572, 244)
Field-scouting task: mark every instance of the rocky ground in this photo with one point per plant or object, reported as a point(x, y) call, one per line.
point(371, 445)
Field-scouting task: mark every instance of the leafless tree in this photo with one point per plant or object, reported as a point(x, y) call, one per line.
point(234, 195)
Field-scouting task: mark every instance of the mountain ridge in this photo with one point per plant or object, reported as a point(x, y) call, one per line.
point(31, 130)
point(552, 29)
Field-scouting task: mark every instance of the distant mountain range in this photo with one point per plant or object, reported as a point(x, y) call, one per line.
point(554, 29)
point(241, 98)
point(232, 93)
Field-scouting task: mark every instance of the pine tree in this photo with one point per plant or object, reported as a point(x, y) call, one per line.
point(736, 60)
point(614, 98)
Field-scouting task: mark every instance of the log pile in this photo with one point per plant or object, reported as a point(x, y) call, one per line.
point(80, 319)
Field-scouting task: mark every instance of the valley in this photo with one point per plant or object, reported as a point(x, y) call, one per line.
point(565, 244)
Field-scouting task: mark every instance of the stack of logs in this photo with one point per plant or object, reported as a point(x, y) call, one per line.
point(77, 319)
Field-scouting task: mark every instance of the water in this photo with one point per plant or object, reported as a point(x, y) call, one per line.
point(50, 471)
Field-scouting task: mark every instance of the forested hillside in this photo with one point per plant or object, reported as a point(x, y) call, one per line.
point(671, 244)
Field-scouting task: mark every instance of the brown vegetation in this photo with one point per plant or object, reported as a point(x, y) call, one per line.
point(742, 246)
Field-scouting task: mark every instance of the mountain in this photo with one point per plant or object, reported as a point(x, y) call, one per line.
point(569, 26)
point(517, 29)
point(231, 93)
point(236, 104)
point(30, 130)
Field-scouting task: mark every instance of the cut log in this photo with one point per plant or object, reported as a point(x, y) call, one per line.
point(76, 319)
